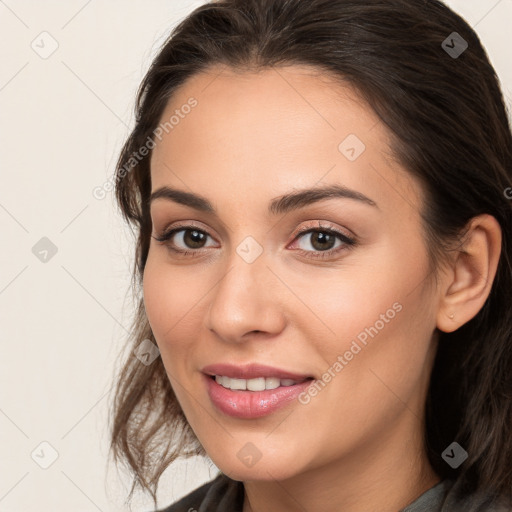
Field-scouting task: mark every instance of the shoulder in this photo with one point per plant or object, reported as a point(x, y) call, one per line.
point(450, 496)
point(457, 500)
point(220, 494)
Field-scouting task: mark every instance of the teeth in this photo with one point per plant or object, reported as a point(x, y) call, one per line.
point(258, 384)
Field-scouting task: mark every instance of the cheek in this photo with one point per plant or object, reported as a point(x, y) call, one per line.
point(357, 317)
point(172, 301)
point(356, 296)
point(168, 303)
point(376, 309)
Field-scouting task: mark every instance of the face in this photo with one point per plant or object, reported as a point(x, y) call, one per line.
point(333, 288)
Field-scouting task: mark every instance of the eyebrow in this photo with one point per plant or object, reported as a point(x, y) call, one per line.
point(278, 205)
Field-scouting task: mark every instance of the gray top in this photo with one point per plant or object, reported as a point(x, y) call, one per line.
point(226, 495)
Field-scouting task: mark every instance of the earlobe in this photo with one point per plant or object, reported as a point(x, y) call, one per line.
point(469, 280)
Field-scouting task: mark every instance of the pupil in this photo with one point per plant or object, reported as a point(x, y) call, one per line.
point(322, 238)
point(194, 238)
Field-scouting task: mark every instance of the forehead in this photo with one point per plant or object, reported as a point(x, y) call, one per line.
point(271, 130)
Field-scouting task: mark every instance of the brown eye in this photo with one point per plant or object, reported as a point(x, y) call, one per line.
point(323, 241)
point(193, 239)
point(188, 238)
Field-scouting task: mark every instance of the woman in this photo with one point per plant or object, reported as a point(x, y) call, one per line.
point(323, 260)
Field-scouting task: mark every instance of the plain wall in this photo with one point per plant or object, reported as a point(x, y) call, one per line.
point(63, 119)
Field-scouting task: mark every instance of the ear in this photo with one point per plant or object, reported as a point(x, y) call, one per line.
point(468, 281)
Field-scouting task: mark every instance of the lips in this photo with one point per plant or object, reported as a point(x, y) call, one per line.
point(254, 390)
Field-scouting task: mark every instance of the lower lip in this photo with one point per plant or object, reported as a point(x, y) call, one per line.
point(252, 404)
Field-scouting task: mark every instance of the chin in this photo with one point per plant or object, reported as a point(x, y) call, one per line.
point(262, 470)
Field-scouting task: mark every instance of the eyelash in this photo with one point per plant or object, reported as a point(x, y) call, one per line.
point(348, 242)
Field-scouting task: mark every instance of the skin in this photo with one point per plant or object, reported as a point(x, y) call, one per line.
point(254, 136)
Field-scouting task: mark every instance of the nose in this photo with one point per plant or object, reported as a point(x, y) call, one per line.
point(247, 301)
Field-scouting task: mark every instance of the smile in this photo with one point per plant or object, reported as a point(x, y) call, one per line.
point(258, 400)
point(257, 384)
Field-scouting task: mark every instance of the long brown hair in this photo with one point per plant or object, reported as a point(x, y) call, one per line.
point(446, 114)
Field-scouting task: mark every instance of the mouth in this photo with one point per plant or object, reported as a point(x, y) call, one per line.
point(241, 374)
point(256, 384)
point(249, 399)
point(249, 391)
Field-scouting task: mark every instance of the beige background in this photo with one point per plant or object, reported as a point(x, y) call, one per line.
point(63, 120)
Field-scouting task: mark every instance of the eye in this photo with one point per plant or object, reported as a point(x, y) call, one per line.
point(185, 237)
point(323, 240)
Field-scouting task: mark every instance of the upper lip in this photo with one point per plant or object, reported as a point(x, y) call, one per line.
point(251, 371)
